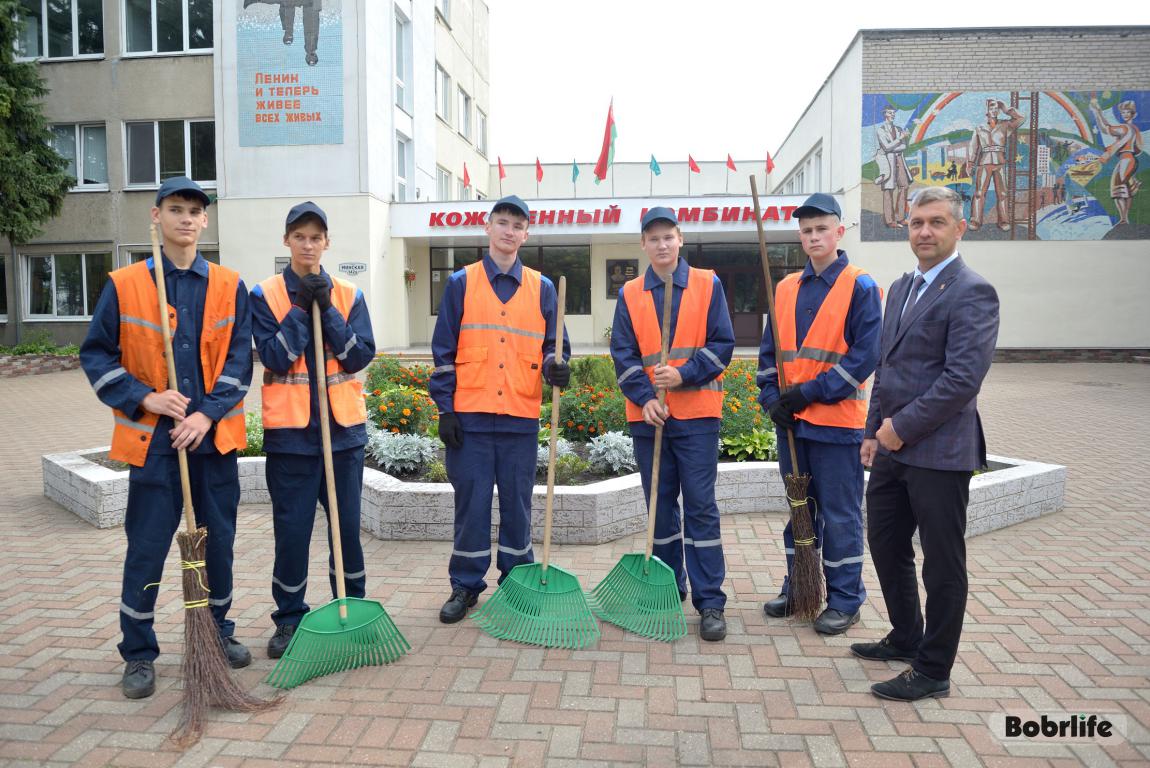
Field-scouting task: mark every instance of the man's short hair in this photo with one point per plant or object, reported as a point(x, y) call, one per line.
point(939, 195)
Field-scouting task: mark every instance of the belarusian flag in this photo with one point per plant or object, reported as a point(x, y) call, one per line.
point(502, 173)
point(692, 165)
point(607, 153)
point(466, 177)
point(731, 163)
point(770, 164)
point(574, 171)
point(538, 171)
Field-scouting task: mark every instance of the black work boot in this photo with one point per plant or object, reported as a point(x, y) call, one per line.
point(456, 606)
point(779, 607)
point(238, 655)
point(139, 680)
point(279, 642)
point(713, 626)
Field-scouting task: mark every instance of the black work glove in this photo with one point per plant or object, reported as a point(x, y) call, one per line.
point(319, 289)
point(560, 375)
point(303, 295)
point(793, 400)
point(782, 417)
point(450, 430)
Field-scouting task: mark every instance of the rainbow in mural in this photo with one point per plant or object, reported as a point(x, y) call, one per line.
point(1030, 165)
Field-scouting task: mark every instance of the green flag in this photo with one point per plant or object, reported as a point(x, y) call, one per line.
point(574, 171)
point(655, 169)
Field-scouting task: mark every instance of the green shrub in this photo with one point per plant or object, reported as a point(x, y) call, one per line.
point(40, 343)
point(255, 429)
point(756, 445)
point(586, 411)
point(569, 468)
point(593, 371)
point(383, 373)
point(436, 472)
point(402, 410)
point(741, 410)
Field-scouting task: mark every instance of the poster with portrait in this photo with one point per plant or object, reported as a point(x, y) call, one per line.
point(620, 271)
point(289, 72)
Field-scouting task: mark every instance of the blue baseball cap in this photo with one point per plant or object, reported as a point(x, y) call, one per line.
point(659, 213)
point(299, 211)
point(512, 201)
point(818, 204)
point(182, 185)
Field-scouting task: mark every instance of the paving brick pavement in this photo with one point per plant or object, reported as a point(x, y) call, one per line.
point(1057, 620)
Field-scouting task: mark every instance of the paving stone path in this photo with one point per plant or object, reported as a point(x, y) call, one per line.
point(1058, 619)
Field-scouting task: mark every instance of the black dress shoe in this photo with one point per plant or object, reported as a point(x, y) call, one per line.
point(456, 606)
point(911, 686)
point(238, 655)
point(883, 650)
point(713, 626)
point(280, 641)
point(139, 680)
point(835, 622)
point(778, 608)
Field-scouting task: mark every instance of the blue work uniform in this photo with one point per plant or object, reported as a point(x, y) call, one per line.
point(498, 449)
point(830, 454)
point(155, 501)
point(689, 459)
point(295, 466)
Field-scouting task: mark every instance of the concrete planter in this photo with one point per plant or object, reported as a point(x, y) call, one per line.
point(1015, 491)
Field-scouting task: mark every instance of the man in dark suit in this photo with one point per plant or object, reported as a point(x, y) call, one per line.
point(923, 440)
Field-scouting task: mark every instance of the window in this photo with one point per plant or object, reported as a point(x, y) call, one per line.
point(481, 131)
point(442, 93)
point(464, 192)
point(574, 261)
point(66, 284)
point(445, 261)
point(479, 195)
point(85, 147)
point(402, 167)
point(443, 8)
point(3, 288)
point(442, 184)
point(167, 26)
point(162, 149)
point(402, 62)
point(61, 29)
point(464, 117)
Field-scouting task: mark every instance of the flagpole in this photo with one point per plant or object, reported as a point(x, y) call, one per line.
point(501, 186)
point(651, 173)
point(574, 178)
point(728, 187)
point(612, 179)
point(688, 181)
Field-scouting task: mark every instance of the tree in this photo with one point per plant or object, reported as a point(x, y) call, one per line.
point(33, 179)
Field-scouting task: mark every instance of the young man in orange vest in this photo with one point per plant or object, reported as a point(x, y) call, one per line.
point(282, 328)
point(494, 343)
point(702, 342)
point(123, 356)
point(830, 322)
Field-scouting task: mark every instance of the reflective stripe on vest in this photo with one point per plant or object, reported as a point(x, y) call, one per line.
point(823, 348)
point(287, 397)
point(499, 357)
point(689, 336)
point(142, 353)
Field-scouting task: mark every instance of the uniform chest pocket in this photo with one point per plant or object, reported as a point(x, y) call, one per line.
point(471, 368)
point(529, 381)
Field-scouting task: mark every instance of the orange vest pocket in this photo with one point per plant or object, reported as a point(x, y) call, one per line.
point(471, 368)
point(529, 381)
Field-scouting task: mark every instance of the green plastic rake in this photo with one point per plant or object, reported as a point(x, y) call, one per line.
point(540, 603)
point(347, 632)
point(641, 593)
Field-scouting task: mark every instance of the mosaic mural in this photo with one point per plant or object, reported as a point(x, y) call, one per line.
point(1030, 165)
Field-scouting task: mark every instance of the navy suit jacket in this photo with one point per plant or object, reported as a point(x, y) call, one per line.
point(932, 367)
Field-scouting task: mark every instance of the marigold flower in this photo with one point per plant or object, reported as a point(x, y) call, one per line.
point(406, 411)
point(395, 429)
point(580, 427)
point(591, 429)
point(403, 421)
point(383, 407)
point(376, 392)
point(570, 423)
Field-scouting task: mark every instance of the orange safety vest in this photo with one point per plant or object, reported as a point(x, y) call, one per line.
point(499, 357)
point(142, 353)
point(689, 337)
point(287, 397)
point(824, 346)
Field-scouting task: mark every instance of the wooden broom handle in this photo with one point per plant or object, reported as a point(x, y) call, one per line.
point(556, 393)
point(328, 470)
point(166, 332)
point(772, 316)
point(668, 294)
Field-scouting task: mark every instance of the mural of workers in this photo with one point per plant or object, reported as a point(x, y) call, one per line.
point(894, 176)
point(987, 152)
point(1127, 145)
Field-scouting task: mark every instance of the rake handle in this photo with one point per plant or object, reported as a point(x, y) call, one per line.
point(328, 469)
point(169, 358)
point(553, 448)
point(665, 341)
point(772, 315)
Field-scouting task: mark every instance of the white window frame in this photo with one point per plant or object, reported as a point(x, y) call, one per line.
point(75, 36)
point(443, 10)
point(185, 51)
point(27, 287)
point(78, 132)
point(156, 153)
point(403, 67)
point(480, 195)
point(443, 93)
point(464, 117)
point(463, 192)
point(481, 131)
point(403, 181)
point(442, 183)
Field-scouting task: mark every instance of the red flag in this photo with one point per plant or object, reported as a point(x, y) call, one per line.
point(607, 153)
point(466, 177)
point(693, 165)
point(770, 163)
point(538, 170)
point(731, 163)
point(502, 173)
